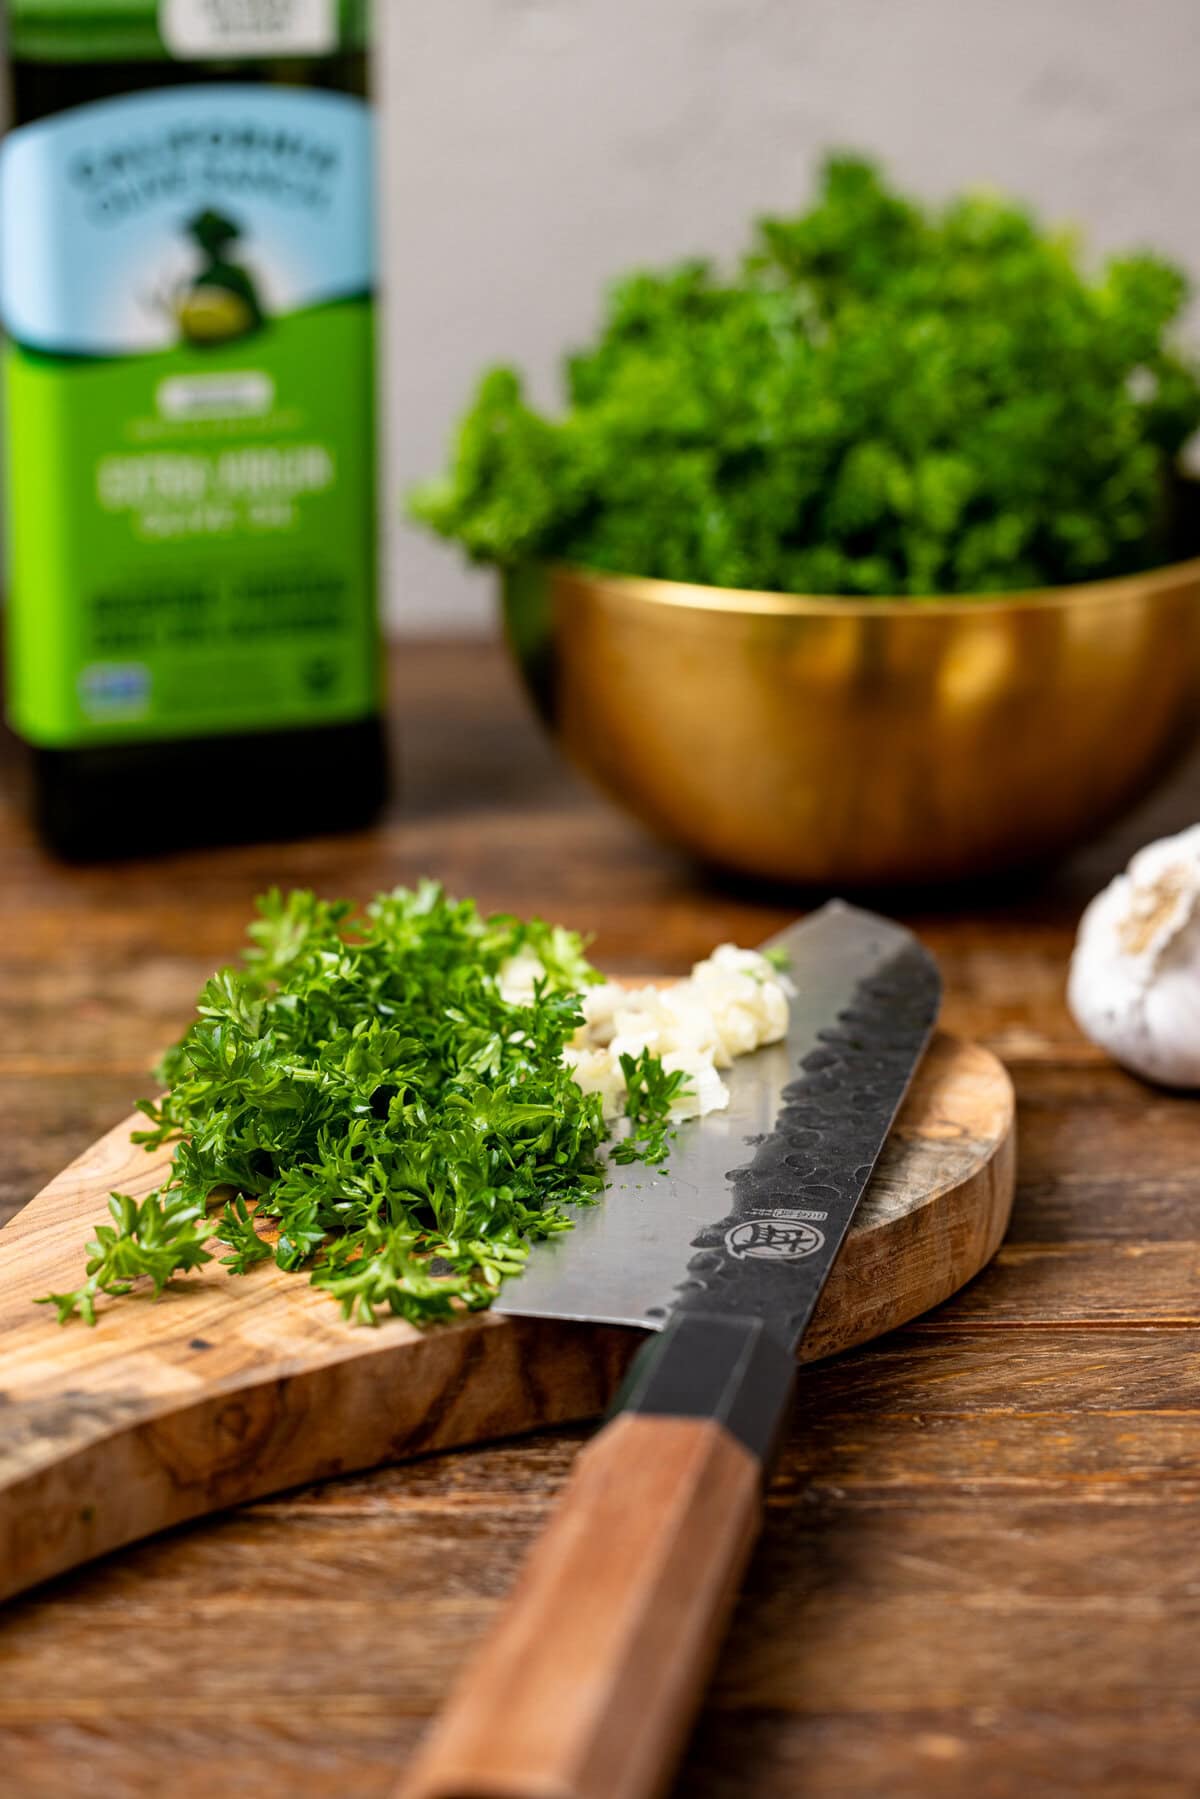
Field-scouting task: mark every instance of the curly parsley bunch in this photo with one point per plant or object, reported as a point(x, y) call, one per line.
point(883, 399)
point(364, 1103)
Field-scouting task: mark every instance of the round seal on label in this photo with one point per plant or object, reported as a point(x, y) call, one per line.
point(773, 1238)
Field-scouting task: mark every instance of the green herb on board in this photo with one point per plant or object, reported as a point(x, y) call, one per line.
point(882, 398)
point(649, 1094)
point(366, 1106)
point(158, 1237)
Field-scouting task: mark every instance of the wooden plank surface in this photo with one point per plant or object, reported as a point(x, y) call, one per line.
point(981, 1570)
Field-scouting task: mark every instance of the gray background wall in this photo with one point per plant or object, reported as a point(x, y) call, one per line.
point(532, 148)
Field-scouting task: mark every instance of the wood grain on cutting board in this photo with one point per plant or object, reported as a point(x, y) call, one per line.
point(228, 1388)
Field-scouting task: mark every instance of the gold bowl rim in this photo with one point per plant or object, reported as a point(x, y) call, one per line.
point(693, 596)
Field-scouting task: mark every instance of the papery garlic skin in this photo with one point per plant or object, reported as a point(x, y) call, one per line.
point(1134, 986)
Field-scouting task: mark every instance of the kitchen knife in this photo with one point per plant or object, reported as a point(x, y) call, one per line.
point(586, 1687)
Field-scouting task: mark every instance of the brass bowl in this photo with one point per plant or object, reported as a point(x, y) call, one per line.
point(864, 742)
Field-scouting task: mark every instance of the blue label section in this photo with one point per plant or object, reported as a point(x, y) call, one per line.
point(181, 212)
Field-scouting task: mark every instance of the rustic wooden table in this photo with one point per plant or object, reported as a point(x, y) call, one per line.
point(981, 1567)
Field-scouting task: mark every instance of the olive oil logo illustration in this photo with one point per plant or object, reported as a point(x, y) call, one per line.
point(221, 301)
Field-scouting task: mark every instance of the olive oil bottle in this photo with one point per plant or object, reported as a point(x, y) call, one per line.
point(186, 276)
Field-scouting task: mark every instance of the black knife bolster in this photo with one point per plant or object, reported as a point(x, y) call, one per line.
point(715, 1365)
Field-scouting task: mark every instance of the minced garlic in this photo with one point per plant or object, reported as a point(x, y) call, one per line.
point(733, 1002)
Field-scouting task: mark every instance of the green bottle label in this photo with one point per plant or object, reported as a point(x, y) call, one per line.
point(186, 287)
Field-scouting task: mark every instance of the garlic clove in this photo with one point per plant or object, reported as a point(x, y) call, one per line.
point(1134, 985)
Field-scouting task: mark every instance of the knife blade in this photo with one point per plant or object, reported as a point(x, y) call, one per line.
point(819, 1126)
point(586, 1688)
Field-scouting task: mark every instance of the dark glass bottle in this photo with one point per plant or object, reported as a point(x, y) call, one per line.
point(187, 245)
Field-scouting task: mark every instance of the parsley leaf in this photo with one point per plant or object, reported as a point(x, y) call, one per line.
point(237, 1229)
point(649, 1091)
point(359, 1101)
point(162, 1236)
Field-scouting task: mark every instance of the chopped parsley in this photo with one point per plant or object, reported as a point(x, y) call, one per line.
point(649, 1092)
point(360, 1102)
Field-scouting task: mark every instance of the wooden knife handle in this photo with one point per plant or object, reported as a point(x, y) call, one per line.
point(586, 1688)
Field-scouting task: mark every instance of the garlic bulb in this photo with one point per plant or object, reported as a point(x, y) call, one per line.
point(1135, 975)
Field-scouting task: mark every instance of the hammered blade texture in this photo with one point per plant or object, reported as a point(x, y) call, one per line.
point(865, 997)
point(793, 1200)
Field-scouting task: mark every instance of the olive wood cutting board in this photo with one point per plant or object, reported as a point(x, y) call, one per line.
point(228, 1388)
